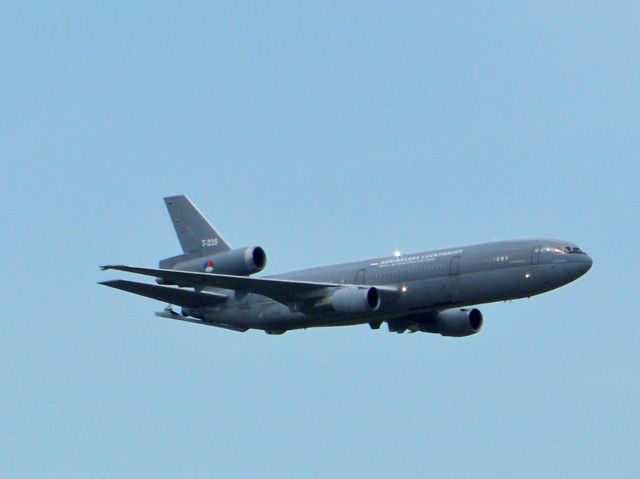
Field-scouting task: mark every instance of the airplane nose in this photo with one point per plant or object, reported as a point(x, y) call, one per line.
point(588, 263)
point(585, 264)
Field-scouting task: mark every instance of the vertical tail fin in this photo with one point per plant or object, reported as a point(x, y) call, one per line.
point(197, 236)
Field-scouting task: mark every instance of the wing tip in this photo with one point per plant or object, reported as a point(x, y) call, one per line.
point(120, 267)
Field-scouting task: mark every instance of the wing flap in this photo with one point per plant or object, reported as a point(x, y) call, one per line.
point(179, 297)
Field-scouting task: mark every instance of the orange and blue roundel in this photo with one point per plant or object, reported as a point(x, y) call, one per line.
point(208, 266)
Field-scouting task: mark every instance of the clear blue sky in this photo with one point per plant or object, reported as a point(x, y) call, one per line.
point(324, 133)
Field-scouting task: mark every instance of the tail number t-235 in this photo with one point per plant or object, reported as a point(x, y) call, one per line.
point(209, 242)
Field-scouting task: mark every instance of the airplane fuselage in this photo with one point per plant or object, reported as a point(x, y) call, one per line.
point(428, 281)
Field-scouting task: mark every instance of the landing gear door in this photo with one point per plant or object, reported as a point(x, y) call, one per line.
point(535, 255)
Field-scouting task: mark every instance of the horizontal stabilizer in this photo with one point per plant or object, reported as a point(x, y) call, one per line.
point(179, 297)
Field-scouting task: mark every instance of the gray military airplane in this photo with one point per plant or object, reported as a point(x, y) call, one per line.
point(429, 291)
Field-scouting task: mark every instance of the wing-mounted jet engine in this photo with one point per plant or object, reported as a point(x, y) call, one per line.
point(454, 322)
point(450, 322)
point(352, 300)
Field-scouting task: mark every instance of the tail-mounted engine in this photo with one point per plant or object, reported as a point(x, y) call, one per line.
point(240, 261)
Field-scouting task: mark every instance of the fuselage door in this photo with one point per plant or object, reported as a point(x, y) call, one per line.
point(361, 276)
point(535, 255)
point(455, 265)
point(455, 292)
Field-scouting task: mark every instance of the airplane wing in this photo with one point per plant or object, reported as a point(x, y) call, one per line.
point(281, 290)
point(179, 297)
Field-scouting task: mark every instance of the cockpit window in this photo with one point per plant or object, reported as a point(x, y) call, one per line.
point(560, 250)
point(552, 249)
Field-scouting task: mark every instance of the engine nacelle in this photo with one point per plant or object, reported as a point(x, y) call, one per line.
point(454, 322)
point(355, 300)
point(240, 261)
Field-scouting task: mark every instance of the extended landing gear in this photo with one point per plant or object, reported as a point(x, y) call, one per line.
point(375, 324)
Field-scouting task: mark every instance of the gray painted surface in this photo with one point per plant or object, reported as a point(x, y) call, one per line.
point(425, 291)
